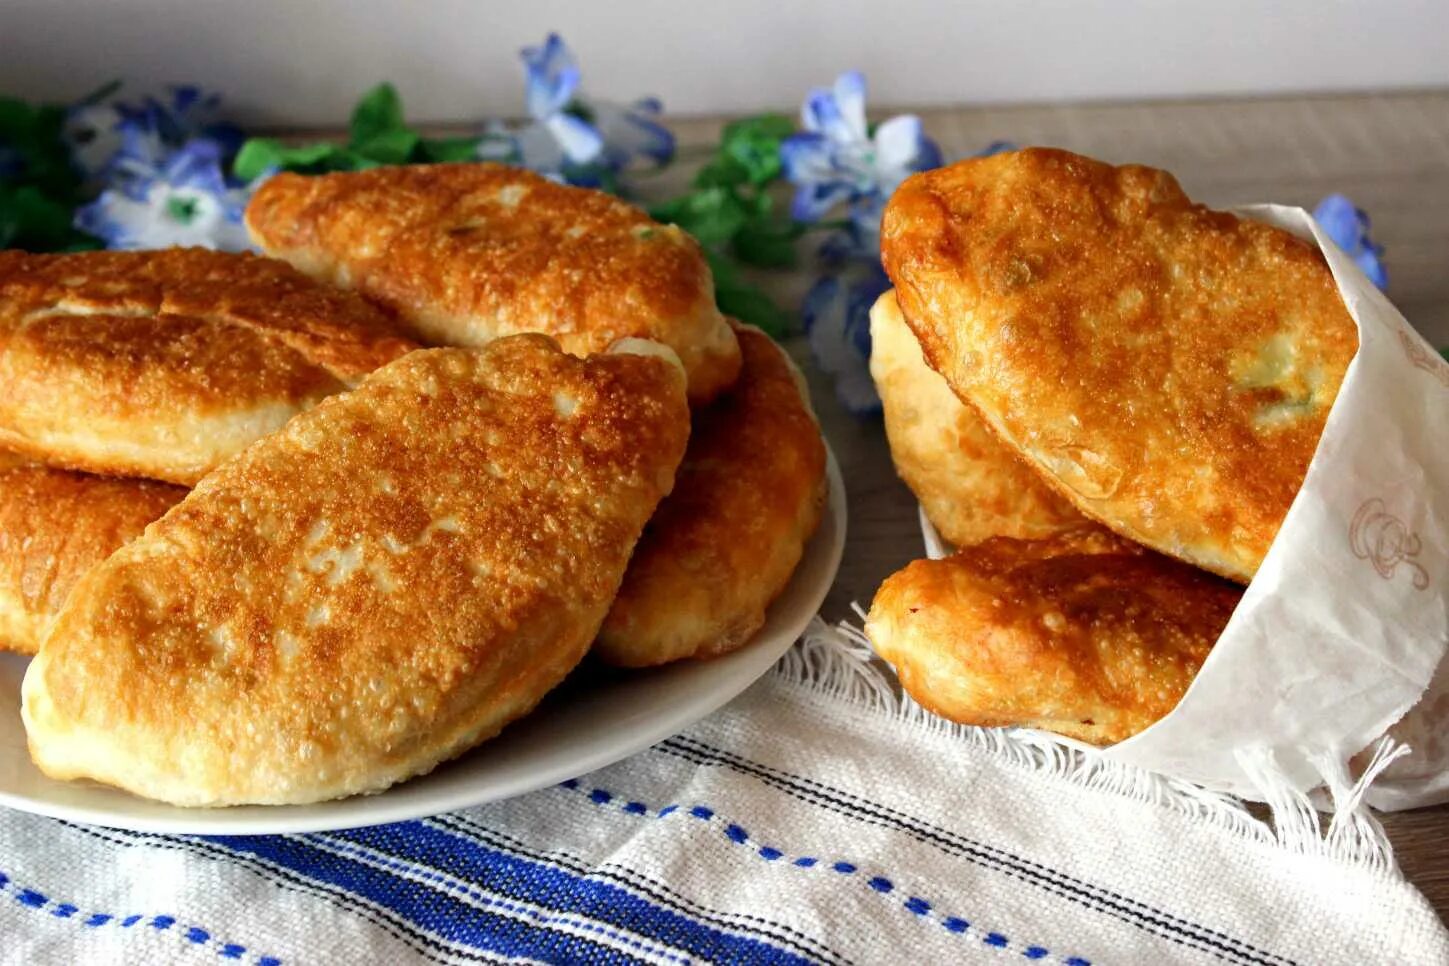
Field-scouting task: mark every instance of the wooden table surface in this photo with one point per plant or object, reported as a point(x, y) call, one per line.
point(1389, 153)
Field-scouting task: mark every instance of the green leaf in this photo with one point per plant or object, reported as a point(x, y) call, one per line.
point(767, 244)
point(711, 215)
point(258, 155)
point(388, 147)
point(746, 302)
point(722, 172)
point(449, 149)
point(749, 304)
point(1445, 353)
point(33, 132)
point(750, 148)
point(379, 113)
point(32, 221)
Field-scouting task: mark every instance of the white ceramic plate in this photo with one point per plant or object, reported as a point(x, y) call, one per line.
point(596, 717)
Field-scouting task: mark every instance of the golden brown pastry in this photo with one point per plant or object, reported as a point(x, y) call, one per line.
point(378, 587)
point(162, 364)
point(971, 485)
point(724, 544)
point(1082, 633)
point(1168, 368)
point(56, 525)
point(470, 252)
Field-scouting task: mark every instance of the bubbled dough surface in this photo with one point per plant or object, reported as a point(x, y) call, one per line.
point(377, 587)
point(163, 363)
point(1168, 368)
point(724, 544)
point(972, 485)
point(466, 253)
point(1082, 633)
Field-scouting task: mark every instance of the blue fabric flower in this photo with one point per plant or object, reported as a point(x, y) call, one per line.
point(98, 132)
point(556, 137)
point(92, 132)
point(12, 162)
point(632, 131)
point(1348, 226)
point(838, 160)
point(569, 138)
point(184, 200)
point(836, 314)
point(837, 325)
point(187, 112)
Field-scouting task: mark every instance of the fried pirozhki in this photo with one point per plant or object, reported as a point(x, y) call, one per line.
point(1082, 633)
point(161, 364)
point(466, 253)
point(1168, 368)
point(55, 526)
point(378, 587)
point(724, 544)
point(972, 486)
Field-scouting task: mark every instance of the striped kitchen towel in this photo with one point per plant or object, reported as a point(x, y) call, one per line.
point(815, 819)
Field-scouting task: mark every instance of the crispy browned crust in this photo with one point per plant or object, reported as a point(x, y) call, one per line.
point(724, 544)
point(470, 252)
point(54, 527)
point(972, 486)
point(1167, 367)
point(384, 583)
point(161, 364)
point(1082, 633)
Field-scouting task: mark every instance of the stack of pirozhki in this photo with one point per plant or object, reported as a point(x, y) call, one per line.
point(269, 548)
point(1106, 397)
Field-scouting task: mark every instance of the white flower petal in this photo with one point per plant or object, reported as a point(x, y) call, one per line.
point(580, 142)
point(538, 149)
point(850, 102)
point(897, 146)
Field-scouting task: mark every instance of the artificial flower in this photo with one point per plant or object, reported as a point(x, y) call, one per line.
point(187, 112)
point(837, 159)
point(568, 137)
point(1348, 226)
point(556, 137)
point(98, 132)
point(632, 131)
point(12, 162)
point(186, 200)
point(93, 134)
point(836, 313)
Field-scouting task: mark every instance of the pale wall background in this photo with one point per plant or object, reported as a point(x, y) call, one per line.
point(296, 62)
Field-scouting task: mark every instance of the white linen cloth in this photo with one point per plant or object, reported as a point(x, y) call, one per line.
point(814, 819)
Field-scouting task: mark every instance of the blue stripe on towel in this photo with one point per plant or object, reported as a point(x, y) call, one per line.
point(421, 941)
point(649, 887)
point(549, 886)
point(424, 941)
point(428, 907)
point(434, 909)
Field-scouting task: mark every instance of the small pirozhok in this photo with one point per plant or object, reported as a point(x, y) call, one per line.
point(465, 253)
point(162, 364)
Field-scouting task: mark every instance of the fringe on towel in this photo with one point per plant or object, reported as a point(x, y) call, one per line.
point(838, 661)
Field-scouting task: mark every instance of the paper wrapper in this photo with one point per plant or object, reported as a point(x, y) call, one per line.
point(1347, 621)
